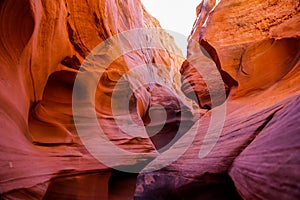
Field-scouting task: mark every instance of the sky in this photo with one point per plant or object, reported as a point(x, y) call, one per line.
point(174, 15)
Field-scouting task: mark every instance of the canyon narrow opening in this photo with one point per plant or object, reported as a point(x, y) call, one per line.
point(176, 17)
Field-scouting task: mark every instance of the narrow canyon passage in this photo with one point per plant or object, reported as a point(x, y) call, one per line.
point(99, 102)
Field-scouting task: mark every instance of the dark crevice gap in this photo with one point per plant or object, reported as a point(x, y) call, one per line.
point(121, 185)
point(72, 40)
point(71, 62)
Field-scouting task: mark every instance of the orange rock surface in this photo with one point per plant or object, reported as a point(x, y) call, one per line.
point(46, 45)
point(42, 45)
point(256, 47)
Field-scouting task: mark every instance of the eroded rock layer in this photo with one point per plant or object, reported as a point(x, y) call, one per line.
point(255, 46)
point(242, 69)
point(42, 46)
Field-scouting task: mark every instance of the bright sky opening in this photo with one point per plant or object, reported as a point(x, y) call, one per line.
point(175, 16)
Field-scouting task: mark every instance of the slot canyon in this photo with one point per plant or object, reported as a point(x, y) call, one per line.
point(99, 102)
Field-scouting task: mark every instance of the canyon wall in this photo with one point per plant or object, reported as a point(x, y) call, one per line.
point(234, 107)
point(43, 44)
point(255, 46)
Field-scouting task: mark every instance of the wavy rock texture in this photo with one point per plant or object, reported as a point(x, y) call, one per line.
point(42, 45)
point(255, 45)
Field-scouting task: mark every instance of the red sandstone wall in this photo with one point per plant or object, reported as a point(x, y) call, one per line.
point(253, 44)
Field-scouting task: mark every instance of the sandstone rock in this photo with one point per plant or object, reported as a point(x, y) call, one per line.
point(42, 46)
point(256, 154)
point(268, 167)
point(243, 65)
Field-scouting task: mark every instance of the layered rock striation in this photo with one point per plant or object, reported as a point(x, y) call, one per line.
point(45, 46)
point(72, 68)
point(255, 46)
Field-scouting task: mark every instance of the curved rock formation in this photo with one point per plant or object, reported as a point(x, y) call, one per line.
point(255, 45)
point(72, 68)
point(42, 46)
